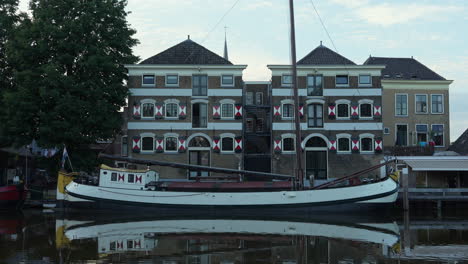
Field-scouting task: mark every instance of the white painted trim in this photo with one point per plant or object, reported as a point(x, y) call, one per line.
point(147, 101)
point(171, 84)
point(364, 84)
point(374, 126)
point(283, 84)
point(353, 92)
point(415, 104)
point(227, 101)
point(174, 101)
point(289, 102)
point(285, 136)
point(366, 135)
point(171, 135)
point(225, 92)
point(342, 84)
point(416, 133)
point(147, 135)
point(227, 85)
point(443, 134)
point(407, 106)
point(314, 101)
point(366, 101)
point(221, 110)
point(183, 126)
point(171, 101)
point(443, 105)
point(287, 92)
point(149, 84)
point(303, 143)
point(338, 137)
point(343, 102)
point(182, 92)
point(196, 101)
point(227, 135)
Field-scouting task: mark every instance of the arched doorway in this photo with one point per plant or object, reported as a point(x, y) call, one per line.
point(316, 159)
point(199, 154)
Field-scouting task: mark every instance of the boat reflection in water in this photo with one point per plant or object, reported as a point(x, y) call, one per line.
point(228, 240)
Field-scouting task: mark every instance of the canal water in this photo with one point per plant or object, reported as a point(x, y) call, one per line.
point(48, 237)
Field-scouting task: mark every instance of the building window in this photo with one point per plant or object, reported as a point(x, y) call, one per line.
point(114, 176)
point(421, 103)
point(315, 115)
point(421, 135)
point(124, 146)
point(365, 110)
point(401, 104)
point(259, 125)
point(343, 110)
point(249, 124)
point(147, 144)
point(170, 144)
point(386, 130)
point(365, 79)
point(199, 115)
point(199, 85)
point(401, 135)
point(288, 144)
point(341, 79)
point(172, 79)
point(259, 98)
point(131, 178)
point(227, 111)
point(286, 80)
point(227, 80)
point(172, 110)
point(249, 98)
point(438, 135)
point(367, 144)
point(437, 104)
point(148, 80)
point(148, 110)
point(314, 85)
point(344, 145)
point(288, 110)
point(227, 144)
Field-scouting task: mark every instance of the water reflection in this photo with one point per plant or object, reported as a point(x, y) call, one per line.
point(36, 236)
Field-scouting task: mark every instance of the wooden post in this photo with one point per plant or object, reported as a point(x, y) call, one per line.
point(405, 180)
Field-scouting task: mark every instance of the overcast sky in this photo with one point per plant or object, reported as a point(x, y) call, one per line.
point(433, 32)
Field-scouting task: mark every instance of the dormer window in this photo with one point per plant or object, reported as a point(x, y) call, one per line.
point(148, 80)
point(227, 80)
point(172, 79)
point(286, 80)
point(342, 80)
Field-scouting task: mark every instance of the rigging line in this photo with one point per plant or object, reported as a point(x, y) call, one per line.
point(214, 27)
point(336, 50)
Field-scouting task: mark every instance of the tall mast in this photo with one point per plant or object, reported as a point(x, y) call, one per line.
point(299, 172)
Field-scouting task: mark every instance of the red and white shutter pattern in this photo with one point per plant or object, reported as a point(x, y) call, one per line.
point(159, 111)
point(181, 144)
point(277, 145)
point(216, 111)
point(216, 146)
point(301, 110)
point(355, 144)
point(238, 110)
point(332, 145)
point(238, 144)
point(331, 110)
point(159, 144)
point(138, 178)
point(377, 110)
point(354, 111)
point(136, 144)
point(277, 110)
point(378, 145)
point(121, 177)
point(182, 110)
point(137, 111)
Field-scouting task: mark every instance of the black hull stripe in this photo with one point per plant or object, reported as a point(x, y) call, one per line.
point(312, 204)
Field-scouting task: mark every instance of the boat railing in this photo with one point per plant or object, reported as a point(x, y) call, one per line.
point(87, 179)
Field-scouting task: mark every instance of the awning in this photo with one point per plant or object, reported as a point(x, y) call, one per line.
point(438, 164)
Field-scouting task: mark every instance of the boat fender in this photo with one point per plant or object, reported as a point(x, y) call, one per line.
point(291, 194)
point(395, 176)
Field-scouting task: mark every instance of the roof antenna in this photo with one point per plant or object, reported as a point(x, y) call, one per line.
point(225, 45)
point(320, 43)
point(188, 36)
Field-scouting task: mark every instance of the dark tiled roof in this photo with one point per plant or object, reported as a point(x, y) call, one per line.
point(461, 144)
point(187, 52)
point(324, 56)
point(403, 68)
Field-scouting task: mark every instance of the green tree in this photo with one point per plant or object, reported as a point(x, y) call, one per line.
point(8, 19)
point(69, 73)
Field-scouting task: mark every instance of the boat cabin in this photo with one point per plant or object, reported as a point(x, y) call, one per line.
point(124, 178)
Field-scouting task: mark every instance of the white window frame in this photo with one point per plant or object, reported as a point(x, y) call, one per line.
point(171, 135)
point(343, 135)
point(227, 102)
point(172, 84)
point(121, 146)
point(283, 84)
point(341, 85)
point(443, 106)
point(407, 106)
point(285, 136)
point(346, 102)
point(366, 101)
point(407, 134)
point(229, 84)
point(364, 84)
point(149, 135)
point(148, 85)
point(227, 135)
point(386, 131)
point(171, 101)
point(415, 143)
point(200, 101)
point(148, 101)
point(416, 105)
point(287, 101)
point(367, 135)
point(443, 135)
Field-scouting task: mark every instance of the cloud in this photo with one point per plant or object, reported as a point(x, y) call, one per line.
point(254, 5)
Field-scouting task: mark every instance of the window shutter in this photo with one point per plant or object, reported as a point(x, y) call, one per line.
point(355, 145)
point(136, 144)
point(159, 144)
point(182, 144)
point(216, 111)
point(331, 111)
point(377, 112)
point(159, 113)
point(354, 111)
point(277, 110)
point(136, 110)
point(277, 145)
point(332, 144)
point(216, 144)
point(182, 111)
point(378, 145)
point(238, 111)
point(301, 110)
point(238, 144)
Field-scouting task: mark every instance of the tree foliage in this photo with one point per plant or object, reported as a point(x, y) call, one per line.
point(8, 19)
point(68, 60)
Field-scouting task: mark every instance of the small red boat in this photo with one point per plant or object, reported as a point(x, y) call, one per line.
point(12, 196)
